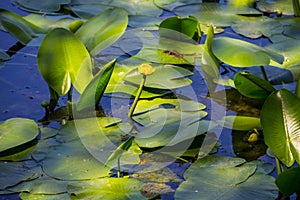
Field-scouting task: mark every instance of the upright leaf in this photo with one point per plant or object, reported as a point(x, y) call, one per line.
point(95, 89)
point(63, 60)
point(17, 26)
point(280, 119)
point(103, 29)
point(288, 181)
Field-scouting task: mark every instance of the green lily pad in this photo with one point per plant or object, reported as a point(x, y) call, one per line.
point(216, 177)
point(209, 13)
point(12, 173)
point(171, 4)
point(145, 7)
point(108, 188)
point(280, 122)
point(290, 49)
point(179, 104)
point(284, 7)
point(256, 27)
point(29, 196)
point(240, 53)
point(87, 11)
point(37, 6)
point(172, 131)
point(173, 76)
point(144, 21)
point(66, 67)
point(16, 135)
point(71, 161)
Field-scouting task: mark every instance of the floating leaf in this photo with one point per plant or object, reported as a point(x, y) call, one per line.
point(87, 11)
point(133, 7)
point(281, 125)
point(4, 56)
point(38, 6)
point(108, 188)
point(173, 76)
point(214, 177)
point(255, 27)
point(16, 135)
point(209, 13)
point(63, 60)
point(95, 89)
point(252, 86)
point(173, 131)
point(241, 123)
point(284, 7)
point(144, 21)
point(102, 30)
point(12, 173)
point(239, 53)
point(171, 4)
point(29, 196)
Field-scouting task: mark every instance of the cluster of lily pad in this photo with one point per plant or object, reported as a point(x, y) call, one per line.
point(93, 156)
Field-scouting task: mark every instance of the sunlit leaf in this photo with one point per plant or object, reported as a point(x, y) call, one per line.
point(215, 178)
point(16, 135)
point(63, 60)
point(187, 26)
point(17, 26)
point(281, 125)
point(241, 123)
point(108, 188)
point(29, 196)
point(240, 53)
point(173, 76)
point(252, 86)
point(103, 29)
point(95, 89)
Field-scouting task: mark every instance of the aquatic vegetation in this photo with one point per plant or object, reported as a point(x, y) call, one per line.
point(174, 74)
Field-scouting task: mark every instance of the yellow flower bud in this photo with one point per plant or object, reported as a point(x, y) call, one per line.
point(146, 69)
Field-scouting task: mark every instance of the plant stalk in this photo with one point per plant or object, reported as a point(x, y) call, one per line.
point(264, 73)
point(70, 103)
point(119, 168)
point(297, 92)
point(136, 99)
point(296, 7)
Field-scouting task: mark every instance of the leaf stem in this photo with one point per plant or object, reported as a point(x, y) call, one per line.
point(70, 104)
point(136, 99)
point(296, 7)
point(264, 73)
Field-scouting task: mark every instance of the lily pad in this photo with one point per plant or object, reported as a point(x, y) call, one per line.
point(12, 173)
point(87, 11)
point(215, 177)
point(17, 134)
point(108, 188)
point(209, 13)
point(284, 7)
point(29, 196)
point(38, 6)
point(173, 76)
point(256, 27)
point(144, 21)
point(240, 53)
point(4, 56)
point(171, 4)
point(145, 7)
point(290, 49)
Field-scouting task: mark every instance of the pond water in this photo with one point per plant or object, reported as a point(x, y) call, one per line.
point(23, 89)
